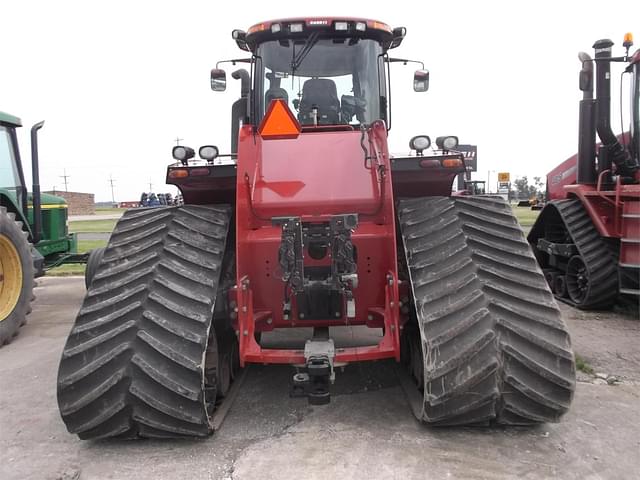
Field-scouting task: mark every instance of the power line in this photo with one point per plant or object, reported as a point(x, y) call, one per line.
point(65, 176)
point(111, 181)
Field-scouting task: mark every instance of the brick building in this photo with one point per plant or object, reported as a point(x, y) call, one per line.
point(79, 203)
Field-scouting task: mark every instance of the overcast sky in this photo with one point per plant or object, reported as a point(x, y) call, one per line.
point(117, 81)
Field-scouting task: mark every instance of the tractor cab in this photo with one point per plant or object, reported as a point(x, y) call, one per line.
point(329, 72)
point(12, 186)
point(327, 77)
point(474, 187)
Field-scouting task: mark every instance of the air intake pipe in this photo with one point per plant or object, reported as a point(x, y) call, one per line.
point(611, 150)
point(587, 124)
point(240, 108)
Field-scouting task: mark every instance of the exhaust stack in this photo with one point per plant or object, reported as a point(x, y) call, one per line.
point(35, 172)
point(611, 150)
point(239, 110)
point(587, 124)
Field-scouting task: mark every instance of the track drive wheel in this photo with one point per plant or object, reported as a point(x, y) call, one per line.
point(486, 343)
point(142, 357)
point(16, 276)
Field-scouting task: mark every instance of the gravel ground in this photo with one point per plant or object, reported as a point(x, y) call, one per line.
point(367, 431)
point(607, 341)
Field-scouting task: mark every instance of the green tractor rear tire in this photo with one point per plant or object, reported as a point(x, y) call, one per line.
point(16, 276)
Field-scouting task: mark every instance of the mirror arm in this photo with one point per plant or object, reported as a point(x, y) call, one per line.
point(405, 61)
point(233, 61)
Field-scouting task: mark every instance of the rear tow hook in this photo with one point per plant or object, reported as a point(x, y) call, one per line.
point(314, 383)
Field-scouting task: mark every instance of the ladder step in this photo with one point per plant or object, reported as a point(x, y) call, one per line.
point(630, 291)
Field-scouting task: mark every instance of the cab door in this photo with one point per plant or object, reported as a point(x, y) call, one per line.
point(12, 188)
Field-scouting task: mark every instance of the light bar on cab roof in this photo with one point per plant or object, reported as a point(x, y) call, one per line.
point(257, 28)
point(318, 23)
point(298, 25)
point(379, 26)
point(295, 27)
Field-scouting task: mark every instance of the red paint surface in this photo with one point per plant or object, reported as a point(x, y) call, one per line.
point(314, 176)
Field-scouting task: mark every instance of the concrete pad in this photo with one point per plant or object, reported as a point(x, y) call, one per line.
point(367, 431)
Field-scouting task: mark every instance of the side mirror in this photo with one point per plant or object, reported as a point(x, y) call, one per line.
point(586, 73)
point(421, 81)
point(218, 80)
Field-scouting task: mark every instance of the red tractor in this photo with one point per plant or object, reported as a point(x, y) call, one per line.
point(587, 237)
point(309, 222)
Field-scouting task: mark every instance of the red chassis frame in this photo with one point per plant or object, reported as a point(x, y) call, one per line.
point(314, 176)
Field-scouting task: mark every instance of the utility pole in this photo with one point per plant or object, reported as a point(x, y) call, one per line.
point(65, 176)
point(150, 185)
point(178, 140)
point(111, 181)
point(489, 172)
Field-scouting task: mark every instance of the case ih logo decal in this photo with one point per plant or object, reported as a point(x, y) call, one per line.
point(558, 178)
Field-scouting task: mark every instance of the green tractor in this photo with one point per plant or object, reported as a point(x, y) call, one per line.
point(33, 230)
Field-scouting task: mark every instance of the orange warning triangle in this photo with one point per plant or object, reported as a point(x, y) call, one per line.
point(279, 122)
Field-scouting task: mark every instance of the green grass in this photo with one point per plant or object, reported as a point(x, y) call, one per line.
point(88, 245)
point(92, 226)
point(583, 366)
point(525, 215)
point(103, 210)
point(67, 270)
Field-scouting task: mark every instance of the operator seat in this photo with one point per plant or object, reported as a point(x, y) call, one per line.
point(275, 93)
point(320, 93)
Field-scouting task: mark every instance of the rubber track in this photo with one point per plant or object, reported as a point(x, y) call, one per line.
point(496, 349)
point(596, 254)
point(133, 363)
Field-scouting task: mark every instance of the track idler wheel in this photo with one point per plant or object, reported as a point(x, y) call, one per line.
point(577, 280)
point(550, 275)
point(93, 262)
point(560, 286)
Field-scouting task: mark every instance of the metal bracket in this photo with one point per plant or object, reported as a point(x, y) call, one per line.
point(290, 252)
point(562, 249)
